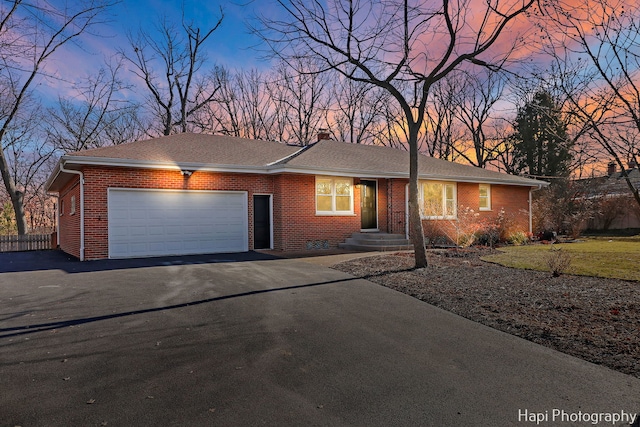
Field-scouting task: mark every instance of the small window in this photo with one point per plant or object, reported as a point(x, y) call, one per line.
point(73, 205)
point(438, 200)
point(485, 197)
point(334, 196)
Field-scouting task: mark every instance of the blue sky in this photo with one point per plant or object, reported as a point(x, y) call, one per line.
point(231, 45)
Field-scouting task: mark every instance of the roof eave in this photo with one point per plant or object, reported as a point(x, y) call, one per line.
point(74, 162)
point(150, 164)
point(308, 170)
point(52, 178)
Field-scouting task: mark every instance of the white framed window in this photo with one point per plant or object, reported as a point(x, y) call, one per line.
point(438, 200)
point(334, 196)
point(485, 197)
point(72, 210)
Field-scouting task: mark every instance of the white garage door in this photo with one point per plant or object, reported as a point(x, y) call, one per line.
point(167, 222)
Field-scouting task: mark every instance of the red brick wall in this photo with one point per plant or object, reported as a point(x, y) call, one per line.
point(511, 202)
point(383, 205)
point(397, 205)
point(514, 201)
point(98, 180)
point(296, 219)
point(69, 228)
point(295, 222)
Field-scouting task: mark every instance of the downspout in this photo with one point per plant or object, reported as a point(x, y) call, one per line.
point(79, 173)
point(531, 190)
point(57, 229)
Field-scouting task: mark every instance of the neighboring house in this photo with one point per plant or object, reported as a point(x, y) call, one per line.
point(196, 193)
point(618, 208)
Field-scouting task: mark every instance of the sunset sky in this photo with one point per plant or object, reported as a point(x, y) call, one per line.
point(231, 45)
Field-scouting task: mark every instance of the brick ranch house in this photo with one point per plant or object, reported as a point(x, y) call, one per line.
point(196, 193)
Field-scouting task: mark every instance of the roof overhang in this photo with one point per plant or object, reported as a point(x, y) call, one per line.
point(59, 178)
point(401, 174)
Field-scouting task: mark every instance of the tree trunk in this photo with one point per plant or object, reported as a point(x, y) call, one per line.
point(416, 231)
point(17, 197)
point(17, 201)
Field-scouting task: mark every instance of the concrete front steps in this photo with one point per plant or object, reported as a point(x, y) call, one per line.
point(376, 242)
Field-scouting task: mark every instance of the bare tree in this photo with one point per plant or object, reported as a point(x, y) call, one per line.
point(242, 107)
point(30, 158)
point(301, 93)
point(475, 102)
point(90, 118)
point(391, 43)
point(169, 63)
point(355, 111)
point(601, 39)
point(443, 130)
point(30, 34)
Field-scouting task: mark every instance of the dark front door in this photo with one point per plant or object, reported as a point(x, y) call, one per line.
point(261, 222)
point(369, 208)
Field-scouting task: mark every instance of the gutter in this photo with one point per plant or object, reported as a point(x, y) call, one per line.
point(282, 166)
point(79, 173)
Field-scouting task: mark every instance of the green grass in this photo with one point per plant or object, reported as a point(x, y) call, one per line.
point(616, 257)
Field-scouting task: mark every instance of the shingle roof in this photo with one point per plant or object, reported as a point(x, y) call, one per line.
point(616, 183)
point(384, 161)
point(218, 152)
point(196, 148)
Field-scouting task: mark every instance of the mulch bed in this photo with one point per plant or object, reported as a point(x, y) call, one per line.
point(595, 319)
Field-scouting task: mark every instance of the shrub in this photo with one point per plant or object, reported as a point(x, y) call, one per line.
point(564, 207)
point(465, 227)
point(490, 236)
point(518, 238)
point(558, 261)
point(7, 219)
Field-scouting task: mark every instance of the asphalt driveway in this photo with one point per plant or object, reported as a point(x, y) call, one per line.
point(253, 340)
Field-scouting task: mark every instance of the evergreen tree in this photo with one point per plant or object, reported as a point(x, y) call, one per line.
point(540, 143)
point(7, 219)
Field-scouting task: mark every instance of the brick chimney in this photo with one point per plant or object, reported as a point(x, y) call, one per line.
point(323, 134)
point(611, 168)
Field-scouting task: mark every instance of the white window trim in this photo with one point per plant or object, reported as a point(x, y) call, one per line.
point(444, 186)
point(333, 211)
point(72, 210)
point(488, 208)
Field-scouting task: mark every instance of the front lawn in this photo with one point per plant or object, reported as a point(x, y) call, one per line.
point(617, 258)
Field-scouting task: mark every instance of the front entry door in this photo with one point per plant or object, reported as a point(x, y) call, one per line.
point(261, 222)
point(369, 205)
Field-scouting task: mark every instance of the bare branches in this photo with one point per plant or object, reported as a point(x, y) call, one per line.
point(96, 116)
point(30, 34)
point(383, 44)
point(169, 63)
point(603, 38)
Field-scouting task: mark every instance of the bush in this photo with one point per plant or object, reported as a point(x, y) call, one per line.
point(564, 207)
point(558, 261)
point(488, 237)
point(518, 238)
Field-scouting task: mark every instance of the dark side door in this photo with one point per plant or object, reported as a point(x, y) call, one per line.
point(369, 208)
point(261, 222)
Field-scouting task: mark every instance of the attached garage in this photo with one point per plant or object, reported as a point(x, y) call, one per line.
point(144, 222)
